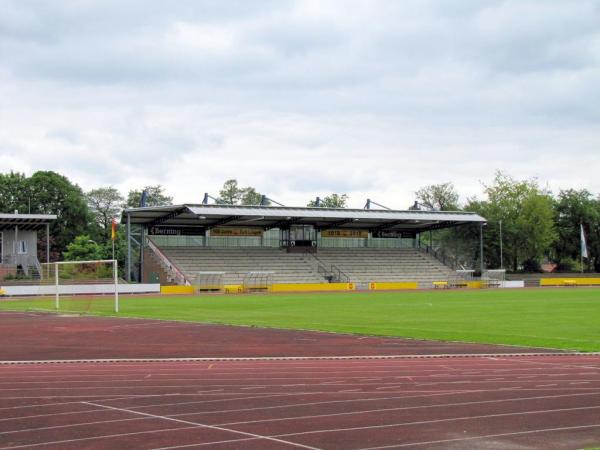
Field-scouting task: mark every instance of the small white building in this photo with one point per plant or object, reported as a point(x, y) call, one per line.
point(19, 242)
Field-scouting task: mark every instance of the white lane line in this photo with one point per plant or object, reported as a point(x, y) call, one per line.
point(471, 438)
point(202, 425)
point(73, 425)
point(89, 397)
point(293, 405)
point(217, 376)
point(401, 408)
point(561, 365)
point(270, 395)
point(66, 413)
point(106, 436)
point(203, 444)
point(425, 422)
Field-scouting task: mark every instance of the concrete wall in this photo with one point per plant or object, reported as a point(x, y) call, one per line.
point(8, 239)
point(81, 289)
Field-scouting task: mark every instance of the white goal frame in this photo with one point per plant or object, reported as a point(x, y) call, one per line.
point(115, 278)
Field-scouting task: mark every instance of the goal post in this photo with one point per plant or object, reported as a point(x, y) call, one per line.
point(83, 281)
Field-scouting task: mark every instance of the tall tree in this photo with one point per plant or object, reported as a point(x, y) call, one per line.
point(250, 196)
point(573, 209)
point(156, 196)
point(330, 201)
point(47, 193)
point(52, 193)
point(14, 193)
point(526, 213)
point(230, 193)
point(105, 204)
point(442, 197)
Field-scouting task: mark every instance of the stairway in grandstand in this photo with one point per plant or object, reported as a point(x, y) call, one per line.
point(236, 262)
point(363, 265)
point(360, 265)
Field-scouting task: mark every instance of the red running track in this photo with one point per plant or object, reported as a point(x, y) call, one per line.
point(502, 402)
point(38, 336)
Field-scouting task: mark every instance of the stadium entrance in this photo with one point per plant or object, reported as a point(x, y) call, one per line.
point(299, 238)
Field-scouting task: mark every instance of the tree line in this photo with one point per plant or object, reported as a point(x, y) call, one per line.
point(537, 226)
point(531, 223)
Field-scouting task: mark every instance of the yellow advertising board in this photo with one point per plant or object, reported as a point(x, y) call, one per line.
point(345, 233)
point(315, 287)
point(236, 232)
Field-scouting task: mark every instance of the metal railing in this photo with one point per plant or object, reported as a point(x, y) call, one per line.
point(26, 263)
point(333, 274)
point(169, 266)
point(443, 256)
point(274, 242)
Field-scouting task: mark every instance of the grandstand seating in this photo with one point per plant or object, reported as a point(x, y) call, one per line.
point(236, 262)
point(386, 265)
point(360, 265)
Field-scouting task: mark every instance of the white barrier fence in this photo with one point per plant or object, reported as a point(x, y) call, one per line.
point(512, 284)
point(78, 289)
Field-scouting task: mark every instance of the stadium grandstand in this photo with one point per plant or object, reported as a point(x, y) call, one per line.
point(234, 245)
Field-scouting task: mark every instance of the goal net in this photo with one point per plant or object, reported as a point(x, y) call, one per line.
point(258, 281)
point(82, 286)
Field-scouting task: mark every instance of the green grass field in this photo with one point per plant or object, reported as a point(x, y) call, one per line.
point(550, 318)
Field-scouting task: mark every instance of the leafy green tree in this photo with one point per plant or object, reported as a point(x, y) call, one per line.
point(156, 196)
point(331, 201)
point(526, 212)
point(250, 196)
point(105, 204)
point(442, 197)
point(47, 193)
point(573, 208)
point(14, 193)
point(52, 193)
point(230, 193)
point(83, 248)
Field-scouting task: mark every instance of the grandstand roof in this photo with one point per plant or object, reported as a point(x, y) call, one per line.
point(210, 216)
point(25, 221)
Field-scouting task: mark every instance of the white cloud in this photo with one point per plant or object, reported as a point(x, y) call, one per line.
point(304, 98)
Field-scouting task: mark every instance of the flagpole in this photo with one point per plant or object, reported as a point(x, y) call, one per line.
point(113, 236)
point(582, 245)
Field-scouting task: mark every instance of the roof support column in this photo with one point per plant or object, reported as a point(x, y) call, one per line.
point(16, 245)
point(481, 247)
point(48, 243)
point(142, 238)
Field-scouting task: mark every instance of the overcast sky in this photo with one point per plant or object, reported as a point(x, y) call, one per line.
point(302, 98)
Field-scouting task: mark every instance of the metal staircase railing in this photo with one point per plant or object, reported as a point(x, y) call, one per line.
point(443, 256)
point(173, 272)
point(333, 274)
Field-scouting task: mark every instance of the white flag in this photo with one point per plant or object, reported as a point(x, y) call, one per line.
point(584, 252)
